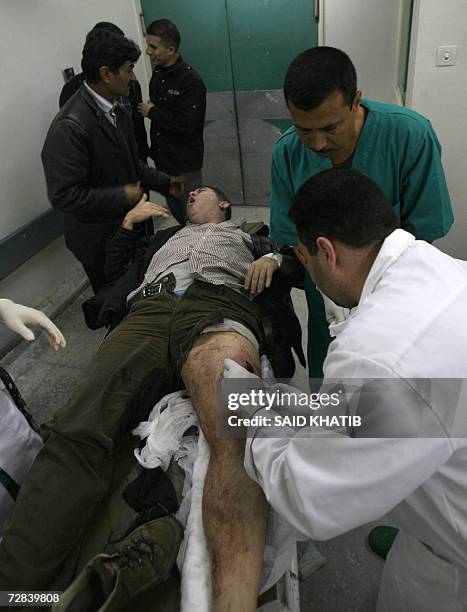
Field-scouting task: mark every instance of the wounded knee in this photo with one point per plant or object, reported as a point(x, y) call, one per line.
point(205, 365)
point(210, 350)
point(244, 354)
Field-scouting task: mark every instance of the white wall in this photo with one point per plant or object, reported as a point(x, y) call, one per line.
point(440, 93)
point(37, 40)
point(370, 32)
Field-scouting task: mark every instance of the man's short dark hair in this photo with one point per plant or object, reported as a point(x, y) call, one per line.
point(316, 74)
point(343, 205)
point(106, 49)
point(105, 26)
point(167, 32)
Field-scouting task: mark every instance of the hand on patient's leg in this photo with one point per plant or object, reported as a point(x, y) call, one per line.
point(234, 507)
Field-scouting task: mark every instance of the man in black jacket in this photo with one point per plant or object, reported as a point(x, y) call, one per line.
point(130, 102)
point(177, 108)
point(189, 312)
point(90, 157)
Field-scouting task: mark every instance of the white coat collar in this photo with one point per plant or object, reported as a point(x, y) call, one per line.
point(392, 248)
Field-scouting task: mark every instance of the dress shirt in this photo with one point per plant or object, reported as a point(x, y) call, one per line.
point(218, 253)
point(104, 104)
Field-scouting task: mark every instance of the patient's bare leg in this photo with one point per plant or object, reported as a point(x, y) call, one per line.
point(234, 506)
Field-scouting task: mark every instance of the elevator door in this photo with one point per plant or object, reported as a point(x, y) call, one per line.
point(241, 49)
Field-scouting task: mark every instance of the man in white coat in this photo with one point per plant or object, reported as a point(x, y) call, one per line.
point(403, 349)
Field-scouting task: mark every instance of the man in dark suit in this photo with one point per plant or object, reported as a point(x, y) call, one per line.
point(90, 157)
point(130, 102)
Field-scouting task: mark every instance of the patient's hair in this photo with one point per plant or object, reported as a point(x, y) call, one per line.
point(105, 48)
point(222, 198)
point(318, 73)
point(167, 32)
point(343, 205)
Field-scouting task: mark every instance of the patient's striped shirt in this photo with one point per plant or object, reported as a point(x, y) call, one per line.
point(217, 253)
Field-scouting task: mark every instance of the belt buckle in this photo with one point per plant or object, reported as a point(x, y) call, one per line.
point(150, 290)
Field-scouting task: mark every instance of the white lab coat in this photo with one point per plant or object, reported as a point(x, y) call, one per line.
point(19, 445)
point(410, 324)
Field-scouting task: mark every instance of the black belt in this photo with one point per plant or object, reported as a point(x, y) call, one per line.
point(166, 284)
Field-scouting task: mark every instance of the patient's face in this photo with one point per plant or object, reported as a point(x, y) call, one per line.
point(203, 206)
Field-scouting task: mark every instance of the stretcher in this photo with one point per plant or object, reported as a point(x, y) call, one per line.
point(165, 442)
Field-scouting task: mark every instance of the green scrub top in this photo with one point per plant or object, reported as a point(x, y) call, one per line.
point(399, 150)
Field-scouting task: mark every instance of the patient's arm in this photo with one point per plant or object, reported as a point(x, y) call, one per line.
point(143, 211)
point(259, 276)
point(128, 244)
point(125, 247)
point(234, 507)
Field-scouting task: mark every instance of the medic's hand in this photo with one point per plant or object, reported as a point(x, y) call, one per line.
point(142, 211)
point(232, 369)
point(145, 107)
point(176, 186)
point(239, 381)
point(259, 275)
point(18, 317)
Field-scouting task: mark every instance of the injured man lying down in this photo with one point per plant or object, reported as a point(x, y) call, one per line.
point(178, 305)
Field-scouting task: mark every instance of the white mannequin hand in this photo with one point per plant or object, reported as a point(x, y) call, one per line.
point(18, 317)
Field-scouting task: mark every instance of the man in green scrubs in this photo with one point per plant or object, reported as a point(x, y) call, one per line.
point(335, 126)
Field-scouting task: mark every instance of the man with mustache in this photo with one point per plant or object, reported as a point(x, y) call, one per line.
point(335, 127)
